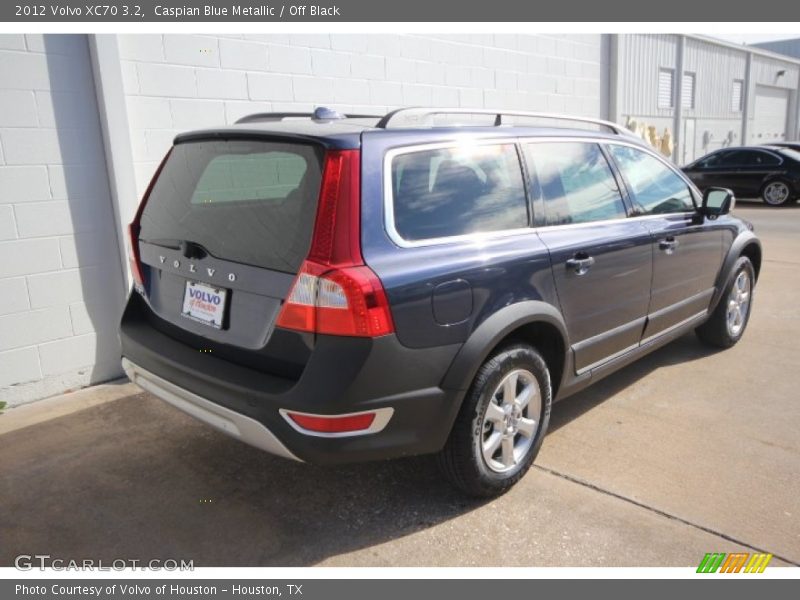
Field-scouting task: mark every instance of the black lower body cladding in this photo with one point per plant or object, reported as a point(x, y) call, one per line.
point(343, 375)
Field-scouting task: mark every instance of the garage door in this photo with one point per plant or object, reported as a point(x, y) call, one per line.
point(770, 114)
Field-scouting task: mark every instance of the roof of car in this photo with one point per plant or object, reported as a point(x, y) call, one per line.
point(775, 147)
point(344, 131)
point(770, 147)
point(347, 134)
point(786, 151)
point(783, 145)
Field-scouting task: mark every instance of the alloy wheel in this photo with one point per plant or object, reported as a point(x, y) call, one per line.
point(738, 303)
point(776, 193)
point(511, 421)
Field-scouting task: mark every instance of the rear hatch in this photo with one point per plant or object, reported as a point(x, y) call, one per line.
point(221, 237)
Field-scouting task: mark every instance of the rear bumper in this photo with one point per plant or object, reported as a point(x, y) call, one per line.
point(227, 421)
point(342, 376)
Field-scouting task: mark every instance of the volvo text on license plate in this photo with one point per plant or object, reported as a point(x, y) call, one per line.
point(204, 303)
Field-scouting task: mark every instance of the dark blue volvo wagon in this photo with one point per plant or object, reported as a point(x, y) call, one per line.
point(335, 288)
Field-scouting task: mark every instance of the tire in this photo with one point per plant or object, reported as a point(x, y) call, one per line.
point(721, 331)
point(777, 192)
point(478, 425)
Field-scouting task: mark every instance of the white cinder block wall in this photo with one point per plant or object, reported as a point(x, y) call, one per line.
point(179, 82)
point(60, 280)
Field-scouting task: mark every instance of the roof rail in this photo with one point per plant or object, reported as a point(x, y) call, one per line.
point(419, 114)
point(321, 113)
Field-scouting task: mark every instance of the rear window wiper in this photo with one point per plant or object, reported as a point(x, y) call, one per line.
point(165, 243)
point(188, 248)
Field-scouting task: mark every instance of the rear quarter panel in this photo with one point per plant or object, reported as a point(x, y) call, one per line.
point(470, 279)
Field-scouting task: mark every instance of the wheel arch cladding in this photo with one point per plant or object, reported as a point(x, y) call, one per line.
point(533, 322)
point(752, 250)
point(745, 244)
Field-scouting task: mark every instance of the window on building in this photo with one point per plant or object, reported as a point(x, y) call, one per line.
point(665, 88)
point(687, 90)
point(737, 96)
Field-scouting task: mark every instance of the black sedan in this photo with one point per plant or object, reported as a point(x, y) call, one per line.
point(769, 172)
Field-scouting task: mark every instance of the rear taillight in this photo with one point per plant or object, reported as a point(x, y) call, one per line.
point(335, 293)
point(347, 301)
point(133, 255)
point(133, 230)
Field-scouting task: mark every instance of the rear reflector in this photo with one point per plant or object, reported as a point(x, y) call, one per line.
point(335, 293)
point(322, 424)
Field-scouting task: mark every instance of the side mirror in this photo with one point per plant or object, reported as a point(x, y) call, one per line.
point(717, 201)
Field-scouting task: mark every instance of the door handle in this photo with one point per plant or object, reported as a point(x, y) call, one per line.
point(580, 263)
point(668, 244)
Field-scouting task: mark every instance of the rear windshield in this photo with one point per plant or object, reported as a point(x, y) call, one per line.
point(246, 201)
point(791, 153)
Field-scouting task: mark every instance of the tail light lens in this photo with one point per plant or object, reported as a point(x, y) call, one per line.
point(133, 230)
point(348, 301)
point(133, 255)
point(335, 293)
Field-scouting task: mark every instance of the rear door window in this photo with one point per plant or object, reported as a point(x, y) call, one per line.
point(756, 158)
point(457, 191)
point(734, 158)
point(575, 182)
point(247, 201)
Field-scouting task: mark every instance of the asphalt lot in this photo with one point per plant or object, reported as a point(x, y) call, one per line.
point(687, 451)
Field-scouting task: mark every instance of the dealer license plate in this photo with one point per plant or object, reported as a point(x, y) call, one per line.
point(204, 303)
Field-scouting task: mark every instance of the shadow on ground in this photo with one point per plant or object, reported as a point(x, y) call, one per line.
point(683, 350)
point(136, 479)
